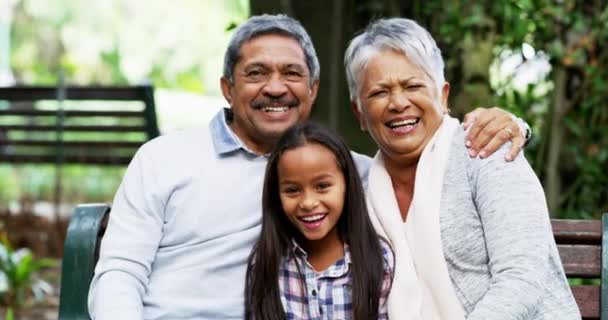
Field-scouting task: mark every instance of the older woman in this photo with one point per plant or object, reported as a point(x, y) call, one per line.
point(472, 236)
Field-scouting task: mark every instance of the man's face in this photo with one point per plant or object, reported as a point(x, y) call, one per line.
point(271, 90)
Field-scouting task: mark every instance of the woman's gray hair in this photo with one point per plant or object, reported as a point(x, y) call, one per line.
point(270, 24)
point(398, 34)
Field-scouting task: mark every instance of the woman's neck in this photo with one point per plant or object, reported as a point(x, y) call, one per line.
point(403, 178)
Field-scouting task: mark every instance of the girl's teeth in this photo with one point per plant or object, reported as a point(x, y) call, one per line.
point(313, 218)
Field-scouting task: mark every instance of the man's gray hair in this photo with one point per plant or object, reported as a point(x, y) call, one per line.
point(270, 24)
point(398, 34)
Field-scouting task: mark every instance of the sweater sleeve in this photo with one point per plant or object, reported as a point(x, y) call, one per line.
point(130, 244)
point(512, 207)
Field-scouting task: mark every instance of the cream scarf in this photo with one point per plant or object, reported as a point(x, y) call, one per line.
point(422, 288)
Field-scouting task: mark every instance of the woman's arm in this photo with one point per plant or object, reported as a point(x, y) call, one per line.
point(513, 212)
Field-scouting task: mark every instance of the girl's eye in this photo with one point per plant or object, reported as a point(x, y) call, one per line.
point(290, 190)
point(322, 186)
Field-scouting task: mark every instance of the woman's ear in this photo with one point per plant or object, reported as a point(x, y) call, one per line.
point(445, 93)
point(357, 111)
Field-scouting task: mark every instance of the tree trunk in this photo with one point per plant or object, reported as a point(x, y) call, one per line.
point(552, 177)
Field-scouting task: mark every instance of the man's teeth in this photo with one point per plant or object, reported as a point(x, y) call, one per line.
point(275, 109)
point(313, 218)
point(408, 122)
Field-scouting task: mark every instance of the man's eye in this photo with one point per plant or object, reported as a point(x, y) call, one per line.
point(255, 74)
point(293, 75)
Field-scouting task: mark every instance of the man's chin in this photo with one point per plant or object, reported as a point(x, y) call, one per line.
point(278, 128)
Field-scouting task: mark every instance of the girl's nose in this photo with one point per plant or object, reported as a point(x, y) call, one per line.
point(309, 203)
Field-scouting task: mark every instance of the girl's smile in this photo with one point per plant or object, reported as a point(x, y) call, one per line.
point(312, 187)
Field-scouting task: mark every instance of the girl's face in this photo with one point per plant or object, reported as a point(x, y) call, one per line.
point(312, 187)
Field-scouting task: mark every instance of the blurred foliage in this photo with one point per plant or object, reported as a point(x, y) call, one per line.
point(119, 42)
point(110, 42)
point(18, 275)
point(567, 104)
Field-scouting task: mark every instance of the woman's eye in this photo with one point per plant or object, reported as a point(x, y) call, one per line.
point(378, 93)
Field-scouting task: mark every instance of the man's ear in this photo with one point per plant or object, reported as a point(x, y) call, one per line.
point(355, 107)
point(314, 88)
point(445, 93)
point(226, 90)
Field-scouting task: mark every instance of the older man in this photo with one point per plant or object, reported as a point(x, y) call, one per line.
point(188, 210)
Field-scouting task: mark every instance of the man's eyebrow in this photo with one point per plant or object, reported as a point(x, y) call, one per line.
point(255, 65)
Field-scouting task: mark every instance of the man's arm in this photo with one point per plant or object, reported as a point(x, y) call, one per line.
point(491, 128)
point(129, 246)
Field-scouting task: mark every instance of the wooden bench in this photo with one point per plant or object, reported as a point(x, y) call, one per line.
point(75, 125)
point(580, 243)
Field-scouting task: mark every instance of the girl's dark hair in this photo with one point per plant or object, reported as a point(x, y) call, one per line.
point(262, 294)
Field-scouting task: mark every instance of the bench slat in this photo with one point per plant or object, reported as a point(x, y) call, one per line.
point(84, 159)
point(581, 261)
point(72, 113)
point(577, 231)
point(74, 93)
point(587, 298)
point(73, 128)
point(73, 144)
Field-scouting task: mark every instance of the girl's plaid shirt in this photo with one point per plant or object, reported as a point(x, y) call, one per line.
point(325, 294)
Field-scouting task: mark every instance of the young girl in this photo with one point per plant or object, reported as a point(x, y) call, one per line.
point(318, 256)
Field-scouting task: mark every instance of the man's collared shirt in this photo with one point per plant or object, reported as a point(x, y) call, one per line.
point(327, 294)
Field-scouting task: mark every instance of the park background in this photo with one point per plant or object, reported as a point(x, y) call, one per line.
point(545, 61)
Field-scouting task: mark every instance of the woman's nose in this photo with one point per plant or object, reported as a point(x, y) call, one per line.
point(399, 102)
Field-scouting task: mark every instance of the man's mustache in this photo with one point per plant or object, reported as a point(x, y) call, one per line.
point(266, 102)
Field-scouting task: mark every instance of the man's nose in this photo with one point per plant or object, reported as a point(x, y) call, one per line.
point(275, 87)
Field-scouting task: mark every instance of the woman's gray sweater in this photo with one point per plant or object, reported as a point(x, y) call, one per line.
point(497, 239)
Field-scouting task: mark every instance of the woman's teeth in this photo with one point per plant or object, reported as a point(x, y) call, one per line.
point(408, 122)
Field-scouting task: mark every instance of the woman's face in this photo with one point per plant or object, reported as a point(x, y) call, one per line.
point(400, 106)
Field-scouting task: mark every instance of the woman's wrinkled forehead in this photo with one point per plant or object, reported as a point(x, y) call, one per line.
point(368, 53)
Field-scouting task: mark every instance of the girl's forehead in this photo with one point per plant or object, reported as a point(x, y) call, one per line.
point(308, 159)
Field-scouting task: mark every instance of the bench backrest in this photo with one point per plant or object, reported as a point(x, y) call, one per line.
point(580, 246)
point(77, 125)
